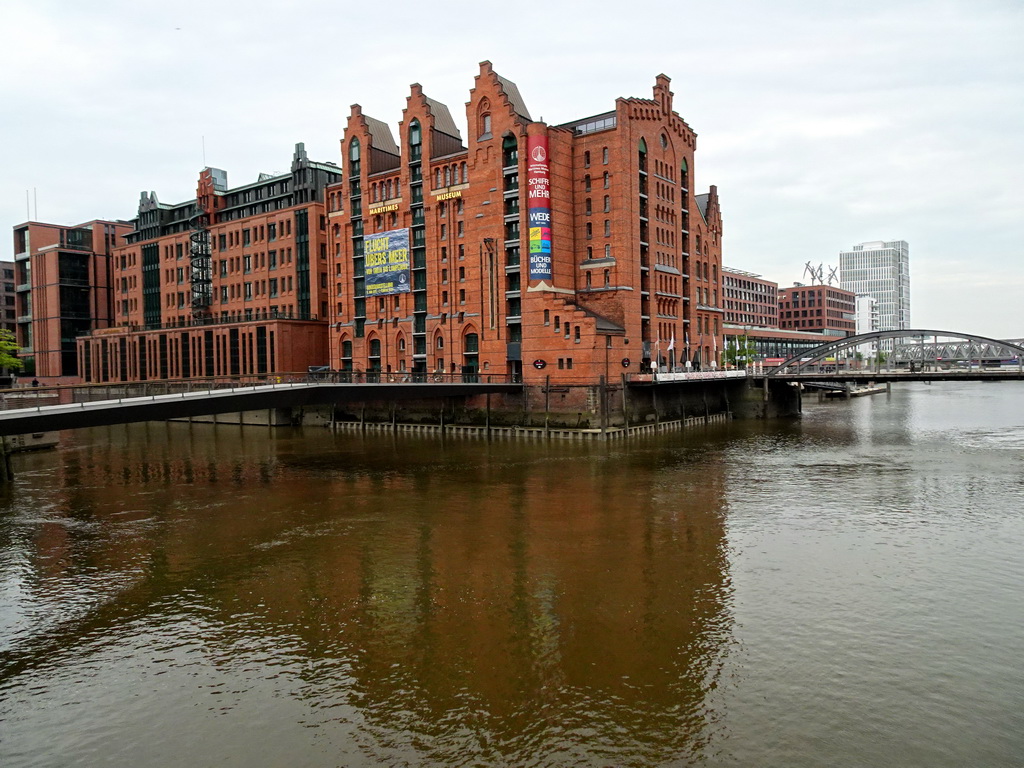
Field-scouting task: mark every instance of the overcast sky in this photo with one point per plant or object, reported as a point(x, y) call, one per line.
point(824, 124)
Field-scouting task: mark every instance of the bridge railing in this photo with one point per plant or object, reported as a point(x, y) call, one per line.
point(663, 377)
point(71, 394)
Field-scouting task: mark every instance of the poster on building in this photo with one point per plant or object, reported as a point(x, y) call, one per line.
point(386, 262)
point(538, 194)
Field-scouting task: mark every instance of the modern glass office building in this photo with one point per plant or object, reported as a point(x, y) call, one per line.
point(880, 269)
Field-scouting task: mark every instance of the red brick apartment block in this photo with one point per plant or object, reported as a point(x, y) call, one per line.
point(818, 308)
point(573, 251)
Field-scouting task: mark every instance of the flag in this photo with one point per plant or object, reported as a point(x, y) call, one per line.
point(672, 343)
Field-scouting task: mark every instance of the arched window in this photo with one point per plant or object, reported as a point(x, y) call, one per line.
point(641, 155)
point(684, 175)
point(353, 157)
point(470, 356)
point(447, 176)
point(509, 152)
point(346, 348)
point(415, 141)
point(465, 174)
point(437, 178)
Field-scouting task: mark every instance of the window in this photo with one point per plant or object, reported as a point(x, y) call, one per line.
point(586, 183)
point(606, 183)
point(462, 296)
point(586, 159)
point(604, 155)
point(607, 203)
point(607, 228)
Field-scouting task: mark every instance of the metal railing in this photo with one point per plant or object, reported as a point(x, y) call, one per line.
point(27, 396)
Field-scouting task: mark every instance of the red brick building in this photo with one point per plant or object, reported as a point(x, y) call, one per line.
point(63, 283)
point(749, 299)
point(232, 283)
point(573, 251)
point(818, 308)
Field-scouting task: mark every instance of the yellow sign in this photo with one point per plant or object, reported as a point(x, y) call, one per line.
point(448, 195)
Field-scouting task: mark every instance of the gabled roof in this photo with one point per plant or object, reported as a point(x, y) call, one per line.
point(515, 99)
point(380, 135)
point(443, 121)
point(702, 204)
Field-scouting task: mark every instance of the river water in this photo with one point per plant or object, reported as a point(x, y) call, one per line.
point(841, 590)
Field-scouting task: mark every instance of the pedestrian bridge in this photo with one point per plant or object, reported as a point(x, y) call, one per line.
point(43, 409)
point(919, 355)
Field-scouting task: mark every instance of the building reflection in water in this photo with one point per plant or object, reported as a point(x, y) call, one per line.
point(435, 600)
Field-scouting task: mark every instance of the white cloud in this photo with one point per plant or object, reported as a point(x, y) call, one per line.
point(823, 124)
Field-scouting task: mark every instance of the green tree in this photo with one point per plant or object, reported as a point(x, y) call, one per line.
point(741, 352)
point(8, 351)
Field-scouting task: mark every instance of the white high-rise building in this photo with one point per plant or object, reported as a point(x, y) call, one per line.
point(866, 316)
point(880, 269)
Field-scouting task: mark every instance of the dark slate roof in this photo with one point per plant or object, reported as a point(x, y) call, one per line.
point(380, 135)
point(512, 91)
point(702, 203)
point(603, 323)
point(443, 121)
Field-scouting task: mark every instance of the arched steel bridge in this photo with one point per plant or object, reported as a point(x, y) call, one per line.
point(961, 347)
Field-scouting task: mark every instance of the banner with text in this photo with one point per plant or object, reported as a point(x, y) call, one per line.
point(538, 195)
point(387, 263)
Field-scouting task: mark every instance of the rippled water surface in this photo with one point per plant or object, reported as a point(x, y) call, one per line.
point(843, 590)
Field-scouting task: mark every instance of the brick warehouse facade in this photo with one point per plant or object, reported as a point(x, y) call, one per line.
point(233, 283)
point(573, 252)
point(64, 281)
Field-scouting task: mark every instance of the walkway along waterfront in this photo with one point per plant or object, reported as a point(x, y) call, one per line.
point(481, 404)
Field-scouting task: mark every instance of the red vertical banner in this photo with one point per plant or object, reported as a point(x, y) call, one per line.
point(538, 206)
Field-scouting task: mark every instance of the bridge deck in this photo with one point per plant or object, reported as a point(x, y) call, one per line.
point(43, 418)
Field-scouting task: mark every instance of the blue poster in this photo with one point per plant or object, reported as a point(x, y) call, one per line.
point(387, 262)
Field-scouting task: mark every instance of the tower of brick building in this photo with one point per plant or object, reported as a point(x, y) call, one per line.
point(575, 251)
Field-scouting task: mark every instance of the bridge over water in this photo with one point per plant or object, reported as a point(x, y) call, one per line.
point(46, 409)
point(34, 410)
